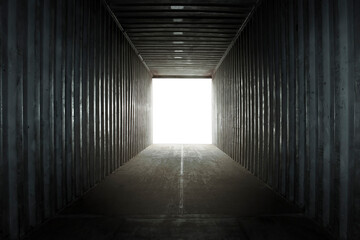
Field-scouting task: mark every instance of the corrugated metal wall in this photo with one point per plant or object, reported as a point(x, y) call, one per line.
point(75, 105)
point(287, 106)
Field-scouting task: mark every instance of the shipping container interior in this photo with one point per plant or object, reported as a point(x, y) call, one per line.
point(77, 159)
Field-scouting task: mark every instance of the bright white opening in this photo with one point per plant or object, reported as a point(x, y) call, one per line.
point(182, 111)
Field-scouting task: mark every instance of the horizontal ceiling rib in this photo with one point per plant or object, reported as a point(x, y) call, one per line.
point(167, 20)
point(196, 15)
point(188, 8)
point(223, 3)
point(183, 34)
point(133, 26)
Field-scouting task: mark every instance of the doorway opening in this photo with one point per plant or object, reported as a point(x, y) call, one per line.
point(182, 111)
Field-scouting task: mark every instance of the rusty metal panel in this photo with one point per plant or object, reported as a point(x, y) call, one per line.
point(355, 166)
point(286, 95)
point(67, 74)
point(3, 171)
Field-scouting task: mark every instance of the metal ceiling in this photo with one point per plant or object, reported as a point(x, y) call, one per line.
point(181, 38)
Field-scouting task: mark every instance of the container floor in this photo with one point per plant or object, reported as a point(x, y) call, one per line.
point(180, 192)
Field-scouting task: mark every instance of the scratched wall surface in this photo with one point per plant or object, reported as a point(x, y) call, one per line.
point(287, 106)
point(74, 106)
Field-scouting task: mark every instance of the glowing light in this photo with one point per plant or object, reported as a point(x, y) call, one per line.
point(182, 111)
point(178, 33)
point(177, 19)
point(178, 42)
point(178, 50)
point(177, 7)
point(178, 57)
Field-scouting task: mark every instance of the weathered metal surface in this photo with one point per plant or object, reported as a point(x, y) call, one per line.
point(286, 106)
point(75, 104)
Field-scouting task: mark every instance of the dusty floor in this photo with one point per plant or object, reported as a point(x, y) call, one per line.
point(180, 192)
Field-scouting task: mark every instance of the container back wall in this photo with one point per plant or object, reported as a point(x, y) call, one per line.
point(75, 104)
point(287, 106)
